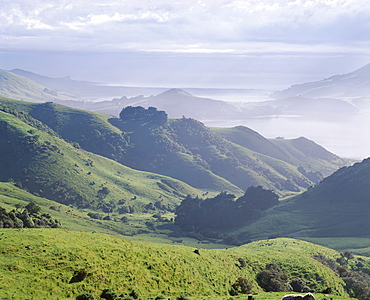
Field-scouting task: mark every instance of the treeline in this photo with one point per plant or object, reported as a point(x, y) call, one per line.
point(222, 211)
point(28, 217)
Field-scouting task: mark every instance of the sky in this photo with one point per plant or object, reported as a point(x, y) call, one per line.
point(210, 43)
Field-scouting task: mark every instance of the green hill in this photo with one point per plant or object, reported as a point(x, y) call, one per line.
point(309, 157)
point(32, 155)
point(40, 263)
point(184, 149)
point(337, 207)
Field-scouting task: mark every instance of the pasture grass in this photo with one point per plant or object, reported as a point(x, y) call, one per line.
point(39, 264)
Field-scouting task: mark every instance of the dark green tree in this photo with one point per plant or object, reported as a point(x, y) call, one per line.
point(33, 208)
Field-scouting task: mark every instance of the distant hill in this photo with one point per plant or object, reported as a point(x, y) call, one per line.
point(177, 102)
point(21, 88)
point(85, 90)
point(336, 207)
point(352, 85)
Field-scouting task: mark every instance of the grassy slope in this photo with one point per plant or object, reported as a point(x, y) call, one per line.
point(66, 176)
point(185, 150)
point(70, 217)
point(95, 133)
point(296, 152)
point(44, 271)
point(334, 209)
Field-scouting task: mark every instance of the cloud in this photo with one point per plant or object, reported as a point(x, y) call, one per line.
point(194, 25)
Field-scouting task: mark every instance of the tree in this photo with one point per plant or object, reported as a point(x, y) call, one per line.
point(213, 214)
point(139, 113)
point(299, 285)
point(33, 208)
point(242, 285)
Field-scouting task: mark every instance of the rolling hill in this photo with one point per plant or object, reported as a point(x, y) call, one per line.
point(336, 207)
point(52, 257)
point(184, 149)
point(35, 157)
point(301, 152)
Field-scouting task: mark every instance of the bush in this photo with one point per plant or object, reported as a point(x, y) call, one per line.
point(242, 285)
point(33, 208)
point(108, 294)
point(85, 296)
point(242, 262)
point(183, 297)
point(134, 294)
point(79, 276)
point(299, 285)
point(273, 279)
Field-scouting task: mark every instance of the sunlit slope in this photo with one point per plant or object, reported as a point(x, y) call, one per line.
point(299, 152)
point(31, 154)
point(45, 267)
point(137, 146)
point(70, 218)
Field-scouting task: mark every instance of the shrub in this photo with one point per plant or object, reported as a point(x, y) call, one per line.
point(33, 208)
point(78, 276)
point(183, 297)
point(299, 285)
point(134, 294)
point(85, 296)
point(242, 285)
point(242, 262)
point(273, 279)
point(108, 294)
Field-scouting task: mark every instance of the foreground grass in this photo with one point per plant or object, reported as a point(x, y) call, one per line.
point(39, 264)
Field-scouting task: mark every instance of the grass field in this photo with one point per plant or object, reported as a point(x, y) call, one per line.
point(39, 264)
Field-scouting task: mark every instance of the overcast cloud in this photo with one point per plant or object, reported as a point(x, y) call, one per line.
point(207, 43)
point(186, 26)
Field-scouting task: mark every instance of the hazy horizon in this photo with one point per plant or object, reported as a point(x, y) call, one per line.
point(227, 44)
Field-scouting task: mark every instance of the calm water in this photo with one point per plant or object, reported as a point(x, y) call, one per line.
point(349, 137)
